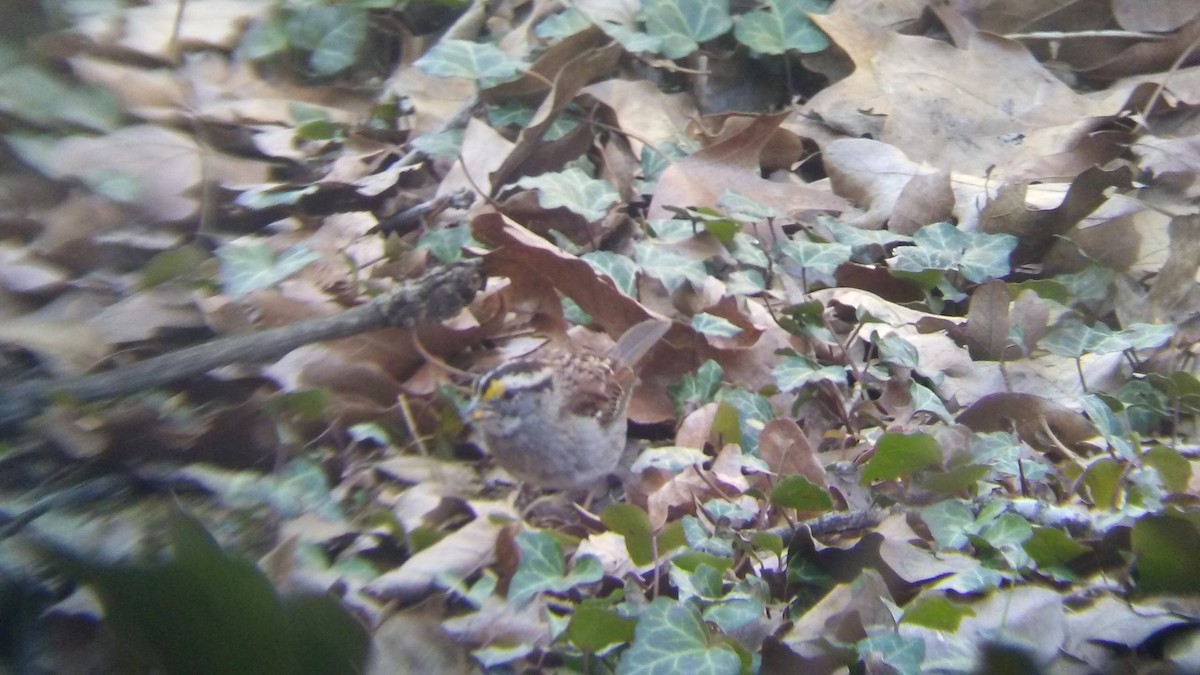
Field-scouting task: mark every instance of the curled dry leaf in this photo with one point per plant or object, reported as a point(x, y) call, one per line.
point(787, 452)
point(460, 553)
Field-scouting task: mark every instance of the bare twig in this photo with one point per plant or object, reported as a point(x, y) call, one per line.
point(438, 295)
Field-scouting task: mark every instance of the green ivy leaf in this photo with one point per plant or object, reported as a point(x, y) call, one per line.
point(942, 246)
point(896, 351)
point(710, 324)
point(482, 62)
point(574, 190)
point(796, 372)
point(446, 243)
point(1166, 551)
point(563, 24)
point(743, 208)
point(734, 613)
point(698, 387)
point(781, 25)
point(682, 25)
point(619, 268)
point(595, 626)
point(672, 268)
point(822, 258)
point(1052, 549)
point(936, 612)
point(542, 568)
point(444, 144)
point(797, 492)
point(898, 455)
point(332, 34)
point(176, 612)
point(671, 637)
point(903, 655)
point(949, 522)
point(753, 413)
point(253, 267)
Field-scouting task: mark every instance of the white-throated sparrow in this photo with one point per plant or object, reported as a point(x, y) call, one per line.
point(556, 418)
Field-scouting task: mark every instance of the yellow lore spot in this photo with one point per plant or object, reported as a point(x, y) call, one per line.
point(495, 390)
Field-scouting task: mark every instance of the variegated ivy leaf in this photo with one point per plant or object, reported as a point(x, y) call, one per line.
point(794, 372)
point(253, 267)
point(854, 236)
point(698, 387)
point(895, 350)
point(1072, 338)
point(484, 63)
point(621, 269)
point(558, 26)
point(942, 246)
point(632, 41)
point(670, 267)
point(573, 189)
point(822, 258)
point(332, 34)
point(444, 144)
point(682, 25)
point(710, 324)
point(745, 282)
point(782, 25)
point(748, 251)
point(672, 229)
point(446, 243)
point(743, 208)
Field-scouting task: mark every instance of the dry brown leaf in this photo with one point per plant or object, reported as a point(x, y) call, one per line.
point(878, 176)
point(164, 166)
point(787, 452)
point(459, 553)
point(732, 163)
point(988, 321)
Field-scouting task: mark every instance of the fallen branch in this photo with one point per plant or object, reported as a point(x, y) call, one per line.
point(436, 296)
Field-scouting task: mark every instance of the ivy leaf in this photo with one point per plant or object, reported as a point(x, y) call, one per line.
point(986, 257)
point(594, 626)
point(797, 492)
point(672, 268)
point(682, 25)
point(698, 387)
point(822, 258)
point(950, 522)
point(898, 455)
point(619, 268)
point(942, 246)
point(558, 26)
point(1070, 339)
point(478, 61)
point(743, 208)
point(896, 351)
point(444, 144)
point(734, 613)
point(903, 655)
point(445, 243)
point(574, 190)
point(753, 413)
point(542, 568)
point(671, 638)
point(713, 325)
point(794, 372)
point(779, 26)
point(332, 34)
point(936, 612)
point(253, 267)
point(631, 40)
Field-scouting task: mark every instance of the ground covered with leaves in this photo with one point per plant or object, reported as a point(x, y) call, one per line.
point(928, 402)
